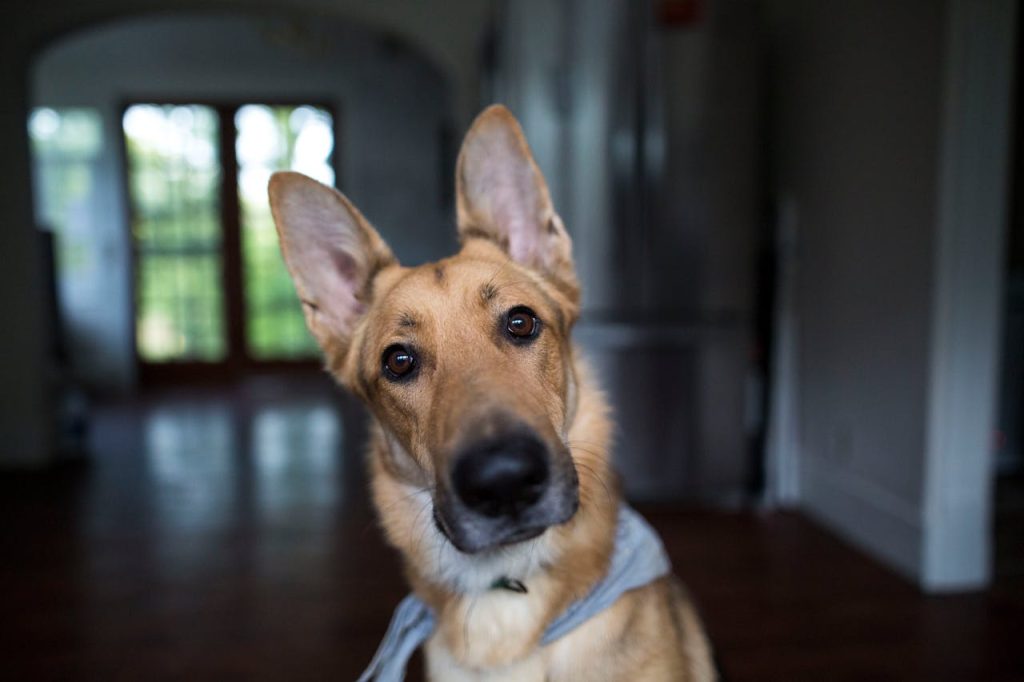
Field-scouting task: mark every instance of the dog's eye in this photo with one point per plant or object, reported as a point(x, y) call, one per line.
point(522, 324)
point(399, 362)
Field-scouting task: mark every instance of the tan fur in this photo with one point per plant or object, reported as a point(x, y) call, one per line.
point(448, 311)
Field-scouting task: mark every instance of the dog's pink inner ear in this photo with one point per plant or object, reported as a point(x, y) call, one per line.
point(330, 284)
point(330, 250)
point(501, 189)
point(503, 196)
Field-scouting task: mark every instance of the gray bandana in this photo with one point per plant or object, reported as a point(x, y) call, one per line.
point(638, 559)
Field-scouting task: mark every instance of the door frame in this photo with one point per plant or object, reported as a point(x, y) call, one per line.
point(967, 295)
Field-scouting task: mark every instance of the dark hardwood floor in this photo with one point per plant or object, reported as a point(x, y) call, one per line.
point(223, 536)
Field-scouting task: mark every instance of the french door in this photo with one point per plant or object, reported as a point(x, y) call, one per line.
point(212, 296)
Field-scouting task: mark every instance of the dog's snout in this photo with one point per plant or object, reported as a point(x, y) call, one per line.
point(502, 476)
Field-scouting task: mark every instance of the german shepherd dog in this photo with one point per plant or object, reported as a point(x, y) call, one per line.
point(489, 451)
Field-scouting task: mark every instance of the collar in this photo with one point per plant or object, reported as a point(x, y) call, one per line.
point(638, 559)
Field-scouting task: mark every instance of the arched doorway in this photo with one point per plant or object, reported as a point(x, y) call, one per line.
point(159, 103)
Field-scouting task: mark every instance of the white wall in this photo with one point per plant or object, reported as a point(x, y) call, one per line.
point(857, 93)
point(391, 102)
point(876, 131)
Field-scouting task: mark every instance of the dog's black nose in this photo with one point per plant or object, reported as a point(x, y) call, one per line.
point(503, 476)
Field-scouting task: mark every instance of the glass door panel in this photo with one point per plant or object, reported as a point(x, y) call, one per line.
point(174, 177)
point(272, 138)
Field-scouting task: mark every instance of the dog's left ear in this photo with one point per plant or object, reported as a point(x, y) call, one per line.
point(502, 196)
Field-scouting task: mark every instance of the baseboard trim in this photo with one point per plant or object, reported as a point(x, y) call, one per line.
point(865, 514)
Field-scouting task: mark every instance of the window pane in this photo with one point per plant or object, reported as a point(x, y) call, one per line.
point(274, 138)
point(174, 180)
point(66, 147)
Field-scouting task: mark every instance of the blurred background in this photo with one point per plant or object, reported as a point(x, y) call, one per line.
point(800, 231)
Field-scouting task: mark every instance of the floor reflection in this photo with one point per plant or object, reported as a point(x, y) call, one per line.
point(204, 461)
point(295, 456)
point(218, 470)
point(215, 459)
point(190, 454)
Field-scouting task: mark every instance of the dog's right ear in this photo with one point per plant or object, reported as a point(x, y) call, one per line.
point(332, 253)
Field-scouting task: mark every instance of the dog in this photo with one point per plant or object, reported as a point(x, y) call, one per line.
point(489, 446)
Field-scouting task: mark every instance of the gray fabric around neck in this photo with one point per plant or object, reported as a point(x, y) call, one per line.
point(638, 559)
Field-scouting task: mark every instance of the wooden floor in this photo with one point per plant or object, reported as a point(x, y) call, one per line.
point(226, 537)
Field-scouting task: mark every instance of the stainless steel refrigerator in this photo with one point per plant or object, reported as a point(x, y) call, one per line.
point(646, 119)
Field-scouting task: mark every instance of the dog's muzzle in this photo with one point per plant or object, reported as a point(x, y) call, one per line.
point(506, 488)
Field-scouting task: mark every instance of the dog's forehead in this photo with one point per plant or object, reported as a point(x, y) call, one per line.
point(458, 283)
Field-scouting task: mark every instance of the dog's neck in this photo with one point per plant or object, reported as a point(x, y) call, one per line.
point(481, 622)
